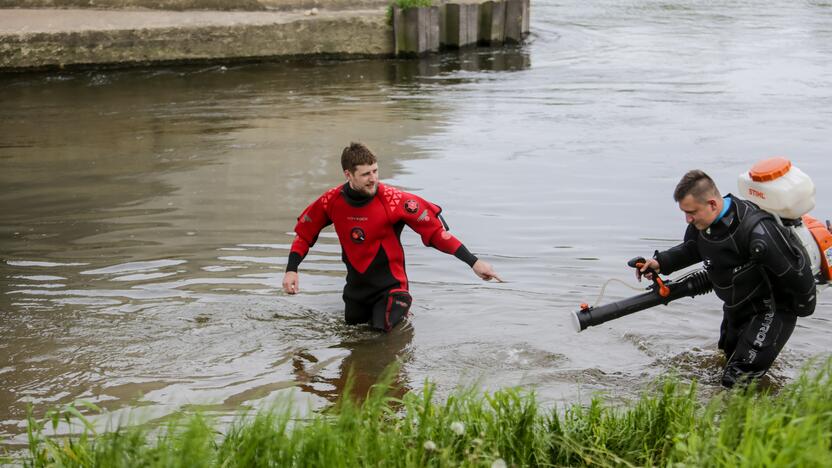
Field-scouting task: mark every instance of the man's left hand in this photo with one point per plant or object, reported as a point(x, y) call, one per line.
point(484, 270)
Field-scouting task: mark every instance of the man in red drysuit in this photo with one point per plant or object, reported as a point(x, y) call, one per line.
point(369, 217)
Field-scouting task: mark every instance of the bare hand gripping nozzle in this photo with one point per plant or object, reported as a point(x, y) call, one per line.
point(660, 292)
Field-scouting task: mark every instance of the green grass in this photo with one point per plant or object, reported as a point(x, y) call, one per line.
point(404, 4)
point(411, 3)
point(669, 426)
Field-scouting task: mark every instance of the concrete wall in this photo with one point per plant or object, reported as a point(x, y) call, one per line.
point(330, 33)
point(125, 35)
point(180, 5)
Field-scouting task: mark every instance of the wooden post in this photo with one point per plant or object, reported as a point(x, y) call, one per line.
point(416, 30)
point(517, 14)
point(492, 17)
point(526, 17)
point(432, 19)
point(458, 24)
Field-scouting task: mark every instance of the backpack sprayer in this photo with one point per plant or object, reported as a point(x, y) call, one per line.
point(775, 186)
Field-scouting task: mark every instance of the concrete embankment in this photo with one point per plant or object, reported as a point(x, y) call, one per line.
point(48, 34)
point(43, 38)
point(221, 5)
point(56, 38)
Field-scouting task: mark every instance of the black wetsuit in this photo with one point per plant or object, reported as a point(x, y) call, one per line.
point(762, 275)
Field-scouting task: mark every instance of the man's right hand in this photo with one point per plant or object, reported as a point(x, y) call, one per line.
point(650, 266)
point(290, 282)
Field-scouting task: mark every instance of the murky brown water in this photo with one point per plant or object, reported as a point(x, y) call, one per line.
point(145, 215)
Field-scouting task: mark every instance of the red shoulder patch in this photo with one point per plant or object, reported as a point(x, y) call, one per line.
point(392, 196)
point(328, 195)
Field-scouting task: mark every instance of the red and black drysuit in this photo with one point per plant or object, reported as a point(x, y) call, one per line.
point(369, 228)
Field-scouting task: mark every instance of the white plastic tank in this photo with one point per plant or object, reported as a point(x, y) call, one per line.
point(778, 187)
point(810, 244)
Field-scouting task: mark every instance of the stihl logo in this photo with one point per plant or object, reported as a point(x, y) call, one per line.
point(756, 193)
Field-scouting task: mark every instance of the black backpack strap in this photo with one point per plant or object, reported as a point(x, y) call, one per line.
point(752, 216)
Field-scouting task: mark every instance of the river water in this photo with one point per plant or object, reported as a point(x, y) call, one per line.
point(146, 215)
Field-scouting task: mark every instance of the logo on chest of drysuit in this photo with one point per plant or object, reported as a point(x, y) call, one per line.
point(357, 235)
point(411, 206)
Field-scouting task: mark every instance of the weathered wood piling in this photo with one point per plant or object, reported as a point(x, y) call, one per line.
point(416, 30)
point(517, 18)
point(492, 23)
point(458, 23)
point(421, 30)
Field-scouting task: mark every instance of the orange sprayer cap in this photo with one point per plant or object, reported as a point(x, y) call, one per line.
point(769, 169)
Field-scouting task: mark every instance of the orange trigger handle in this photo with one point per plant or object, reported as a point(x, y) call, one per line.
point(664, 291)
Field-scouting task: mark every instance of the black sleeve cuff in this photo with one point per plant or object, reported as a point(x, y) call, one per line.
point(676, 258)
point(657, 256)
point(466, 256)
point(294, 262)
point(667, 265)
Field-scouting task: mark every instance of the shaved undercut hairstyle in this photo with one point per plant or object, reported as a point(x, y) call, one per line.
point(356, 154)
point(697, 184)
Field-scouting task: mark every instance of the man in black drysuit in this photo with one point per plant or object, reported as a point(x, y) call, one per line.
point(758, 268)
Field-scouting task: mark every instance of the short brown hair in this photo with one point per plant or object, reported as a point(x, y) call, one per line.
point(697, 184)
point(355, 155)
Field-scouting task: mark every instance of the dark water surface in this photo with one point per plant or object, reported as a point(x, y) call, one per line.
point(145, 215)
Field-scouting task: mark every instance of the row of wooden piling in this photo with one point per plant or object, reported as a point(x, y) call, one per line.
point(456, 25)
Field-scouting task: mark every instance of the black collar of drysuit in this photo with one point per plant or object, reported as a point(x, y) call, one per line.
point(354, 197)
point(724, 225)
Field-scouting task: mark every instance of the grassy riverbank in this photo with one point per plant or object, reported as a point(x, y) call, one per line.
point(669, 426)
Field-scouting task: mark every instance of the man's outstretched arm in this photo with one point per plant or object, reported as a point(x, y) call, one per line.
point(674, 258)
point(443, 240)
point(310, 222)
point(425, 218)
point(484, 270)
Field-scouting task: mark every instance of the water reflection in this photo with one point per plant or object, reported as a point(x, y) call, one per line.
point(368, 355)
point(447, 65)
